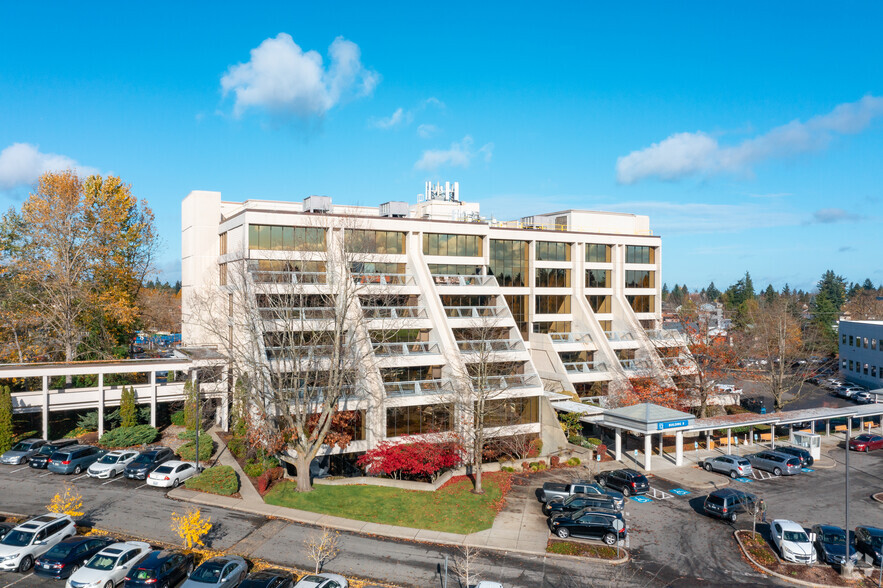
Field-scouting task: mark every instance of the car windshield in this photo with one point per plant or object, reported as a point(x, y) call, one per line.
point(875, 541)
point(142, 574)
point(109, 459)
point(743, 462)
point(863, 438)
point(163, 470)
point(18, 538)
point(210, 573)
point(571, 498)
point(60, 550)
point(102, 562)
point(834, 538)
point(46, 450)
point(795, 536)
point(143, 458)
point(21, 447)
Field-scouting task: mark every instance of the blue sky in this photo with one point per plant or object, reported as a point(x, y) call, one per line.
point(751, 133)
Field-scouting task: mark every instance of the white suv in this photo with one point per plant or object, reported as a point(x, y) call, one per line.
point(22, 545)
point(792, 541)
point(111, 464)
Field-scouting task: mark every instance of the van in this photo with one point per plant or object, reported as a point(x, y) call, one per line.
point(779, 464)
point(74, 460)
point(727, 503)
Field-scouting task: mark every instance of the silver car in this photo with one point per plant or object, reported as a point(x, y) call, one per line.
point(731, 465)
point(221, 572)
point(780, 464)
point(22, 451)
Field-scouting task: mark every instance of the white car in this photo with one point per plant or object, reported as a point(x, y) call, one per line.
point(171, 474)
point(793, 543)
point(109, 567)
point(23, 544)
point(487, 584)
point(111, 464)
point(322, 581)
point(864, 398)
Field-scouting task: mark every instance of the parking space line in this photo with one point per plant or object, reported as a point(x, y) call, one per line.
point(44, 475)
point(141, 486)
point(117, 479)
point(761, 475)
point(19, 580)
point(81, 477)
point(19, 469)
point(659, 494)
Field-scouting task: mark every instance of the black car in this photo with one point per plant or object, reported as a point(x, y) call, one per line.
point(830, 544)
point(41, 459)
point(753, 403)
point(269, 579)
point(67, 556)
point(579, 502)
point(727, 503)
point(140, 467)
point(5, 528)
point(160, 569)
point(607, 526)
point(627, 481)
point(869, 541)
point(806, 459)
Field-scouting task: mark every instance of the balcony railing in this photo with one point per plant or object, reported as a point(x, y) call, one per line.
point(473, 311)
point(300, 353)
point(633, 365)
point(451, 280)
point(305, 313)
point(585, 367)
point(678, 362)
point(317, 393)
point(413, 348)
point(490, 345)
point(562, 338)
point(506, 382)
point(666, 335)
point(393, 312)
point(384, 279)
point(418, 387)
point(619, 336)
point(288, 277)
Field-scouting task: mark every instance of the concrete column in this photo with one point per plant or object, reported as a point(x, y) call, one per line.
point(100, 405)
point(46, 407)
point(648, 450)
point(679, 448)
point(707, 440)
point(729, 441)
point(618, 443)
point(661, 447)
point(152, 398)
point(223, 412)
point(773, 435)
point(827, 427)
point(751, 435)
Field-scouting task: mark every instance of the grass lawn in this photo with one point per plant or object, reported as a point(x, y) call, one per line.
point(452, 508)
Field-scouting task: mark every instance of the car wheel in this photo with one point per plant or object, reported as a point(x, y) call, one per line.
point(109, 584)
point(777, 471)
point(602, 482)
point(77, 470)
point(176, 483)
point(563, 533)
point(732, 517)
point(610, 539)
point(27, 562)
point(733, 474)
point(708, 467)
point(625, 491)
point(74, 570)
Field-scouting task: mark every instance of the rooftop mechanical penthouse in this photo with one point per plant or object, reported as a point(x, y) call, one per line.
point(436, 298)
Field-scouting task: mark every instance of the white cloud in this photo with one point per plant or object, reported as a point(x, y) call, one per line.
point(773, 195)
point(460, 154)
point(287, 81)
point(21, 164)
point(699, 154)
point(833, 215)
point(427, 131)
point(399, 117)
point(684, 218)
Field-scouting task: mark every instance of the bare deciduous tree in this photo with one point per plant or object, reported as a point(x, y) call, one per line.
point(322, 546)
point(465, 563)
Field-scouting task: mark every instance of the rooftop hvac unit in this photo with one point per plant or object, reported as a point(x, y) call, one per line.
point(394, 209)
point(317, 204)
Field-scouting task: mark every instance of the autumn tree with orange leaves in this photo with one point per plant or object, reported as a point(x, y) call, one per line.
point(74, 260)
point(649, 390)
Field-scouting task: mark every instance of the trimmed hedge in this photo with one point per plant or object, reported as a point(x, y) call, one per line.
point(129, 436)
point(190, 435)
point(217, 480)
point(187, 452)
point(255, 467)
point(178, 418)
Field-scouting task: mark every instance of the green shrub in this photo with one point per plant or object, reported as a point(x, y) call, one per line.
point(128, 407)
point(507, 469)
point(256, 466)
point(129, 436)
point(594, 441)
point(74, 433)
point(178, 418)
point(237, 447)
point(6, 433)
point(573, 461)
point(89, 421)
point(217, 480)
point(27, 435)
point(190, 435)
point(187, 452)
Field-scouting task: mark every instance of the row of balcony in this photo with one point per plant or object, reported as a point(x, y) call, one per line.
point(380, 279)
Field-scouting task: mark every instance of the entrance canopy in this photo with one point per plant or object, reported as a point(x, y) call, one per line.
point(648, 418)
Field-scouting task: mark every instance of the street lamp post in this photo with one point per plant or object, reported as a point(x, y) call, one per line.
point(846, 568)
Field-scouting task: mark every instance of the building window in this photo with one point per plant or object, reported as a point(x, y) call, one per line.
point(851, 366)
point(552, 327)
point(850, 341)
point(518, 306)
point(865, 369)
point(274, 238)
point(606, 326)
point(597, 253)
point(445, 244)
point(873, 371)
point(376, 267)
point(639, 279)
point(223, 243)
point(553, 304)
point(641, 303)
point(547, 251)
point(418, 420)
point(866, 342)
point(599, 304)
point(874, 344)
point(450, 269)
point(383, 242)
point(509, 262)
point(504, 412)
point(639, 254)
point(843, 364)
point(553, 278)
point(843, 340)
point(222, 274)
point(598, 278)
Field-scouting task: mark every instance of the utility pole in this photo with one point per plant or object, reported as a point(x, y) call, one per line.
point(846, 568)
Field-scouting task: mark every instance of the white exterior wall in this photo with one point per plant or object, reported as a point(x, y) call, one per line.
point(861, 347)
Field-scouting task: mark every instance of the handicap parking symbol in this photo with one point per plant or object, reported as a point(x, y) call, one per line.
point(806, 470)
point(744, 480)
point(679, 491)
point(641, 499)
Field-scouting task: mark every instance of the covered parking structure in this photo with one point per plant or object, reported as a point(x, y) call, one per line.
point(648, 419)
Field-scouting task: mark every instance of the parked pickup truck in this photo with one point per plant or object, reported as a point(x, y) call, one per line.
point(552, 490)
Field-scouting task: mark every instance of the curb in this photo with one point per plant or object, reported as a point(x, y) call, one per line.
point(878, 497)
point(776, 574)
point(501, 550)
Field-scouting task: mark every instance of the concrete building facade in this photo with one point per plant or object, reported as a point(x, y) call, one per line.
point(861, 352)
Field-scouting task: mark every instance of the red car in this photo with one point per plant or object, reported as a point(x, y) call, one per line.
point(866, 442)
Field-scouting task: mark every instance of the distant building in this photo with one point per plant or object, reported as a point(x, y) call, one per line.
point(861, 352)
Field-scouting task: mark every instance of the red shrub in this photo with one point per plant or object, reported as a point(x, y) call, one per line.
point(602, 449)
point(525, 466)
point(554, 461)
point(264, 483)
point(420, 458)
point(276, 473)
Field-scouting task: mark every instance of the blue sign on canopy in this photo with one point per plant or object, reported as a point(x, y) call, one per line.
point(671, 425)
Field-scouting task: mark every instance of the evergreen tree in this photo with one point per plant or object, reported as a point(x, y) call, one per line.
point(665, 292)
point(740, 292)
point(834, 288)
point(712, 292)
point(786, 291)
point(191, 418)
point(769, 295)
point(853, 290)
point(128, 408)
point(6, 433)
point(825, 314)
point(868, 284)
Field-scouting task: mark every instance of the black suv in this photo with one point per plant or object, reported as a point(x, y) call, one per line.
point(579, 502)
point(805, 457)
point(140, 467)
point(69, 555)
point(41, 459)
point(160, 568)
point(607, 526)
point(727, 503)
point(627, 481)
point(269, 579)
point(869, 540)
